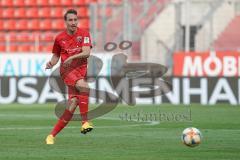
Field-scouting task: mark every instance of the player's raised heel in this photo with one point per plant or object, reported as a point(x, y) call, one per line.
point(50, 139)
point(86, 127)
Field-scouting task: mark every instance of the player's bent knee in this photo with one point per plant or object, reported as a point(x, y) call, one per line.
point(82, 86)
point(72, 108)
point(73, 104)
point(74, 101)
point(82, 89)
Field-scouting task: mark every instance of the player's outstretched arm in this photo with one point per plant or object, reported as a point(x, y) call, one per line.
point(54, 60)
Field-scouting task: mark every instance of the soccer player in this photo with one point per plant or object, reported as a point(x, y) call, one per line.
point(73, 46)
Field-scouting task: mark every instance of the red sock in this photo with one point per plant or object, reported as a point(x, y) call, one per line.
point(83, 105)
point(62, 122)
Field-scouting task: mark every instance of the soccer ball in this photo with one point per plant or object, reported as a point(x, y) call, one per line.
point(191, 137)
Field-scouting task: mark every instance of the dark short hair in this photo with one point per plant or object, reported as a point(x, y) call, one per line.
point(70, 11)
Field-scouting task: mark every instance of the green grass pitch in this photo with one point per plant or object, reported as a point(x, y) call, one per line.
point(23, 129)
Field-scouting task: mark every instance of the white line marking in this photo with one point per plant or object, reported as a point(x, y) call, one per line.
point(71, 127)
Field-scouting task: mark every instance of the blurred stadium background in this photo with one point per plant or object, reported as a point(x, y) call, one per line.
point(157, 28)
point(198, 40)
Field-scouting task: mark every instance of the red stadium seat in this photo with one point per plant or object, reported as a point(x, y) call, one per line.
point(2, 47)
point(66, 2)
point(90, 1)
point(32, 12)
point(44, 12)
point(49, 47)
point(84, 23)
point(45, 48)
point(58, 24)
point(83, 12)
point(42, 3)
point(8, 13)
point(26, 48)
point(45, 24)
point(18, 3)
point(1, 25)
point(79, 3)
point(57, 12)
point(23, 37)
point(21, 24)
point(2, 37)
point(30, 2)
point(9, 25)
point(13, 48)
point(20, 13)
point(1, 13)
point(55, 2)
point(6, 3)
point(33, 24)
point(13, 36)
point(46, 37)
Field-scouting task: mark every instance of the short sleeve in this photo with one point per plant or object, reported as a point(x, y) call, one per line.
point(86, 39)
point(56, 48)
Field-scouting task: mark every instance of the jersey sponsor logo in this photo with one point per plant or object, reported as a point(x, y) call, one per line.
point(79, 38)
point(86, 40)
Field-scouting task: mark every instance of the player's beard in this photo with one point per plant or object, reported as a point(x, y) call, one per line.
point(73, 28)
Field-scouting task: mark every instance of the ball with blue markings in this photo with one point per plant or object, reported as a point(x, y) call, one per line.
point(191, 137)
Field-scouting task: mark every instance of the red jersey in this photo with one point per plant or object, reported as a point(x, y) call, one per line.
point(66, 45)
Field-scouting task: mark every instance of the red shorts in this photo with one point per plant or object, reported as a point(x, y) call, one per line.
point(70, 78)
